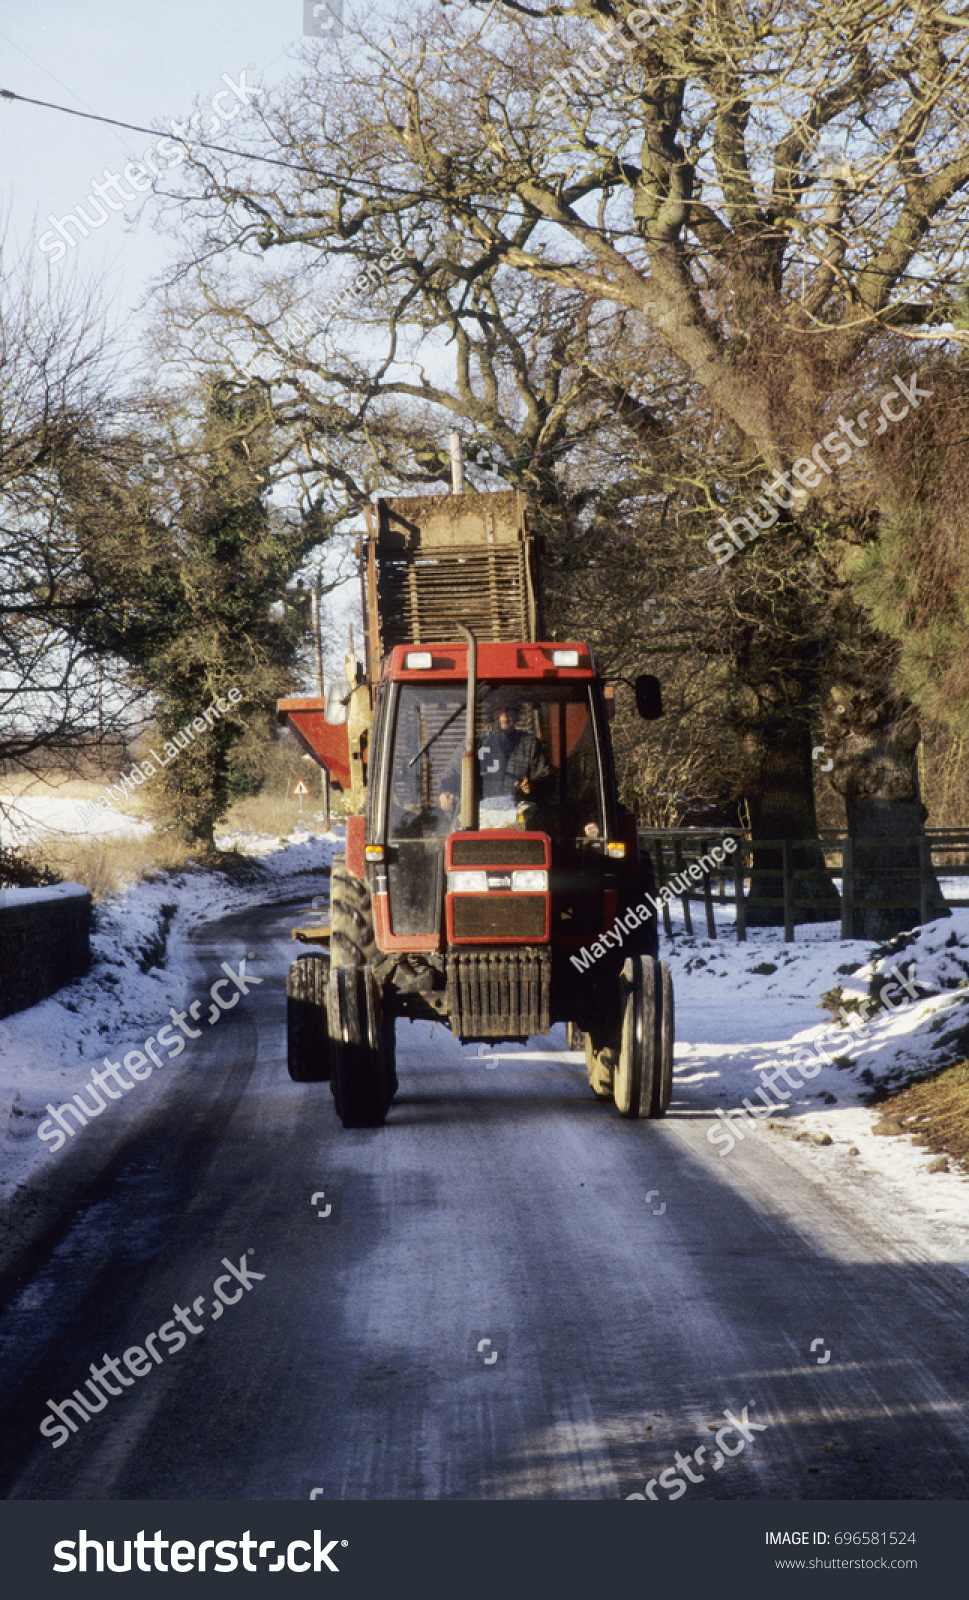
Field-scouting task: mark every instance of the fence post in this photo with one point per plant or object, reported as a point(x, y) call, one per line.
point(685, 896)
point(660, 883)
point(847, 891)
point(788, 899)
point(708, 898)
point(739, 895)
point(925, 867)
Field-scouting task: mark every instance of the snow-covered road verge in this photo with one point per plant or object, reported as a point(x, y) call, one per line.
point(139, 972)
point(755, 1020)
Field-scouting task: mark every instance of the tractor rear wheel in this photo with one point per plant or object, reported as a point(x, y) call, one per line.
point(362, 1047)
point(663, 1076)
point(307, 1030)
point(352, 939)
point(633, 1089)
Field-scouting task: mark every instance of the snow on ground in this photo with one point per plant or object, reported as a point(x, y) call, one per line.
point(138, 973)
point(742, 1010)
point(29, 817)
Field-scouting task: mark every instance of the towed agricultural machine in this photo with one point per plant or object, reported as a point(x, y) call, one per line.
point(486, 851)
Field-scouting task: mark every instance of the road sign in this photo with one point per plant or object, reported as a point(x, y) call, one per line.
point(301, 788)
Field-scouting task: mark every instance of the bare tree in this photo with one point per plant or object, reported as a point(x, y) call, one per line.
point(58, 694)
point(767, 192)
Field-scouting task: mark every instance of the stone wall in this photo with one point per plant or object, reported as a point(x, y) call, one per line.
point(45, 941)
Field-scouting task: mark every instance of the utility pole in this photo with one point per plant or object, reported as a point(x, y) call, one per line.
point(315, 597)
point(316, 631)
point(316, 608)
point(457, 464)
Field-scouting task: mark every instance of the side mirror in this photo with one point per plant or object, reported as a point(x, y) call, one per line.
point(337, 703)
point(649, 697)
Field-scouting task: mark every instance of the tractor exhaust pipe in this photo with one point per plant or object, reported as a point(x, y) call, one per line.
point(469, 762)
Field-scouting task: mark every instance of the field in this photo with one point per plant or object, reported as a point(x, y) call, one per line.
point(44, 819)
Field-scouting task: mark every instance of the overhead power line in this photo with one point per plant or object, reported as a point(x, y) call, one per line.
point(156, 133)
point(321, 172)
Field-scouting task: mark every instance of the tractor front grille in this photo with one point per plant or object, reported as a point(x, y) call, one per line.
point(469, 850)
point(495, 994)
point(499, 916)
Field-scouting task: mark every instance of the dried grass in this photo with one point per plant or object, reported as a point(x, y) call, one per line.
point(935, 1112)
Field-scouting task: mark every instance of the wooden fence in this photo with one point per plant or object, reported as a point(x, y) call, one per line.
point(942, 851)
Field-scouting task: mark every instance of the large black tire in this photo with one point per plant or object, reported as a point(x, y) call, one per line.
point(361, 1044)
point(663, 1075)
point(633, 1086)
point(352, 939)
point(307, 1030)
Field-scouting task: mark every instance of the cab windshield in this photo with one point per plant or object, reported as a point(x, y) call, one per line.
point(537, 766)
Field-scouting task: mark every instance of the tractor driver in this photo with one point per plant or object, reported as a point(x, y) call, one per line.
point(511, 761)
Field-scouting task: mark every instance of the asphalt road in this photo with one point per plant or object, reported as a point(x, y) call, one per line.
point(501, 1206)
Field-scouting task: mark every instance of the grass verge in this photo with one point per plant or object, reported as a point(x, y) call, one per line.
point(935, 1112)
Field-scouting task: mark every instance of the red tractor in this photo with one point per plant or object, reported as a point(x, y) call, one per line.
point(488, 855)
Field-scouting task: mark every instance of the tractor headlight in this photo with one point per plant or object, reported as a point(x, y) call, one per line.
point(530, 882)
point(467, 882)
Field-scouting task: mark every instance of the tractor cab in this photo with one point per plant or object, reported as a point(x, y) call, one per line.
point(522, 855)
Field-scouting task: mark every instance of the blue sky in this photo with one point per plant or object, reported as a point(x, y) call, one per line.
point(137, 63)
point(123, 59)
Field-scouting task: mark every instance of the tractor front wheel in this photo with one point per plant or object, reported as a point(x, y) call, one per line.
point(307, 1029)
point(644, 1076)
point(663, 1076)
point(362, 1047)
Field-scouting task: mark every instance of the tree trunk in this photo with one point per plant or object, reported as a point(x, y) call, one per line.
point(876, 741)
point(779, 791)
